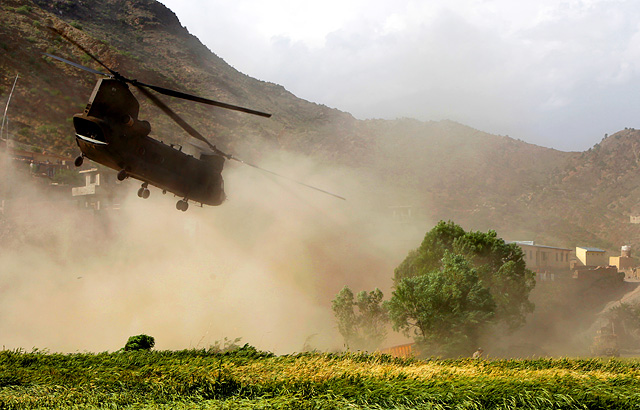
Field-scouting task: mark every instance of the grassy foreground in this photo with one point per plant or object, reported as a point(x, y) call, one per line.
point(246, 378)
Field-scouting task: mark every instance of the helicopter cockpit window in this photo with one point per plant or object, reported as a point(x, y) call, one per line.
point(88, 129)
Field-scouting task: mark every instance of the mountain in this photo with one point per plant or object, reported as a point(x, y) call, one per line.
point(445, 169)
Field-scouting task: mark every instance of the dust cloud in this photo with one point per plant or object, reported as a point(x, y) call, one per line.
point(263, 267)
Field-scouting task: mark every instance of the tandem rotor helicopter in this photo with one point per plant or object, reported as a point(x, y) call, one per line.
point(109, 132)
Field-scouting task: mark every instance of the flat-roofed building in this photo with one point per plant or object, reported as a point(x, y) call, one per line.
point(99, 191)
point(591, 256)
point(546, 261)
point(625, 262)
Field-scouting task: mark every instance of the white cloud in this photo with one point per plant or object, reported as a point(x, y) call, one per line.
point(505, 67)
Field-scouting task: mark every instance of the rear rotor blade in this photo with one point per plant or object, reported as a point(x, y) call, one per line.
point(283, 177)
point(80, 66)
point(229, 156)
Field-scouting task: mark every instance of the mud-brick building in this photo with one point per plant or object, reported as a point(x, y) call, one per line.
point(546, 261)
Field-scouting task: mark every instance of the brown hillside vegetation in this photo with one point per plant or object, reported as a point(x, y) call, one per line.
point(444, 169)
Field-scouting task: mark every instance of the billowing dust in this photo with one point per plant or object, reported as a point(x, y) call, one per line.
point(262, 267)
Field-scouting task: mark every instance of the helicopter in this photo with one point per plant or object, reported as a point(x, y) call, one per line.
point(110, 133)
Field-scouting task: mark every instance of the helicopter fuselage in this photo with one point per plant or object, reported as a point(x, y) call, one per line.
point(109, 132)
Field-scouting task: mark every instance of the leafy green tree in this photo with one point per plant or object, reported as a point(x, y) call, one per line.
point(362, 319)
point(444, 309)
point(140, 342)
point(343, 309)
point(372, 318)
point(429, 255)
point(499, 265)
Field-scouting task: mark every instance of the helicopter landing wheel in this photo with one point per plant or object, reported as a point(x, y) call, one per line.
point(144, 193)
point(122, 175)
point(79, 160)
point(182, 205)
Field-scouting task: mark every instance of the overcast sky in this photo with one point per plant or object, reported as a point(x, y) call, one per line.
point(555, 73)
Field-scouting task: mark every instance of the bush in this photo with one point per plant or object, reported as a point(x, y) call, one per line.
point(140, 342)
point(24, 9)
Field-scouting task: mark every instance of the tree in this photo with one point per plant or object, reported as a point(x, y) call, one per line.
point(429, 255)
point(444, 309)
point(372, 318)
point(140, 342)
point(365, 328)
point(625, 321)
point(342, 307)
point(499, 265)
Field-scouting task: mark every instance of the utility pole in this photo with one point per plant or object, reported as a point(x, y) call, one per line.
point(6, 108)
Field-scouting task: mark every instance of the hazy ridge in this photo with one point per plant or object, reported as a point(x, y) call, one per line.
point(445, 169)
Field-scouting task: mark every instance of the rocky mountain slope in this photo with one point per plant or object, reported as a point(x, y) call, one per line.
point(445, 169)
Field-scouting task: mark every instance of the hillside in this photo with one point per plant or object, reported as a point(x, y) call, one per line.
point(445, 169)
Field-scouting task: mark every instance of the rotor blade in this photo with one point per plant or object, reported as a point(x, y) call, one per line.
point(229, 156)
point(192, 131)
point(282, 176)
point(80, 66)
point(161, 90)
point(75, 43)
point(185, 96)
point(175, 117)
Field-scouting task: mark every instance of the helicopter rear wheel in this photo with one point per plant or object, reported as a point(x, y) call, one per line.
point(182, 205)
point(79, 160)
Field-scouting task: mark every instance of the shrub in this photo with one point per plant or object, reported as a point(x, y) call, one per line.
point(24, 9)
point(140, 342)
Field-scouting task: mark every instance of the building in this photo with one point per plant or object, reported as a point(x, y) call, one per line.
point(405, 351)
point(402, 213)
point(591, 256)
point(625, 263)
point(36, 163)
point(99, 192)
point(546, 261)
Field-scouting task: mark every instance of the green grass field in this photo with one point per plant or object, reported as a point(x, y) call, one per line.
point(246, 378)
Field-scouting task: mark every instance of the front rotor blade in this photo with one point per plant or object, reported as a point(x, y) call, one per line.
point(195, 134)
point(175, 117)
point(80, 66)
point(185, 96)
point(75, 43)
